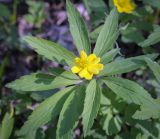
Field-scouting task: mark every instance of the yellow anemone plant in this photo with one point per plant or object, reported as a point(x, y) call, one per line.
point(87, 66)
point(76, 98)
point(124, 6)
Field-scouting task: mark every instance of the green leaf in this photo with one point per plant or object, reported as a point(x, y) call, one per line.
point(148, 128)
point(36, 13)
point(70, 113)
point(95, 33)
point(108, 34)
point(110, 102)
point(2, 68)
point(154, 3)
point(7, 126)
point(91, 105)
point(96, 10)
point(140, 136)
point(48, 110)
point(111, 124)
point(94, 134)
point(4, 11)
point(125, 65)
point(51, 50)
point(132, 34)
point(56, 70)
point(128, 114)
point(78, 29)
point(152, 39)
point(148, 111)
point(39, 96)
point(109, 56)
point(155, 67)
point(142, 25)
point(128, 90)
point(42, 82)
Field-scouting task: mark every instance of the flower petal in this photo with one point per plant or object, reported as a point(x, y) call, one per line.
point(85, 74)
point(126, 6)
point(89, 77)
point(83, 55)
point(98, 66)
point(76, 69)
point(77, 61)
point(93, 69)
point(93, 59)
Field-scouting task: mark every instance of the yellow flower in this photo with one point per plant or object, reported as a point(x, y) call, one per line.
point(124, 6)
point(87, 66)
